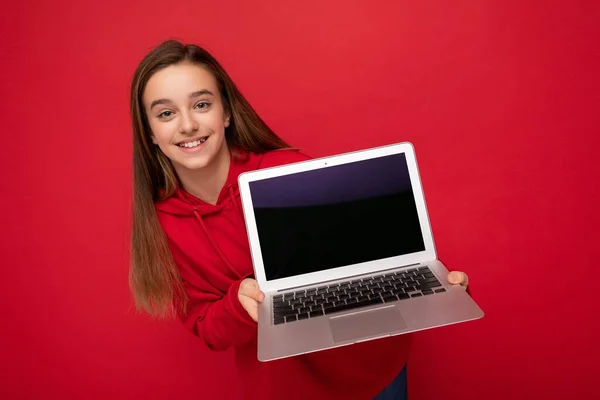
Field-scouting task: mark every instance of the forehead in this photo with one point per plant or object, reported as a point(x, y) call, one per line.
point(176, 82)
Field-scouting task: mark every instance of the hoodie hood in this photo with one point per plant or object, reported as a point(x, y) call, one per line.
point(221, 220)
point(183, 203)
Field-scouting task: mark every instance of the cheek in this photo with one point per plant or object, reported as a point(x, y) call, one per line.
point(219, 124)
point(160, 133)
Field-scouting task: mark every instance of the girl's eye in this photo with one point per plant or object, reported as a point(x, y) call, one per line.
point(165, 114)
point(202, 105)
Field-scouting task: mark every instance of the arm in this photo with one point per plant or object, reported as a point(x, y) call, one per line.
point(220, 320)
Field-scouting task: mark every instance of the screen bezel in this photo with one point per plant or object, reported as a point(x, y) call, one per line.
point(246, 178)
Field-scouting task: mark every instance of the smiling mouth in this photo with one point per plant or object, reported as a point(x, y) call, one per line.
point(194, 143)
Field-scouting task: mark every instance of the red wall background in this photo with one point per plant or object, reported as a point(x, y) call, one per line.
point(500, 98)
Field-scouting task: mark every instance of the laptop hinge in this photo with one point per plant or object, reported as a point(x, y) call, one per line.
point(350, 277)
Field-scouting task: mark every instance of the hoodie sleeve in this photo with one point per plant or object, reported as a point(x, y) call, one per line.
point(213, 314)
point(220, 320)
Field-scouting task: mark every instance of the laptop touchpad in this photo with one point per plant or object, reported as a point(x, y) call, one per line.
point(364, 324)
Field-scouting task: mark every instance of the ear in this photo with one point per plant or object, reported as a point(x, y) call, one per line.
point(227, 115)
point(153, 139)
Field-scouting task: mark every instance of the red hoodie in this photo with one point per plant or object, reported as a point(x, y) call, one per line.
point(210, 247)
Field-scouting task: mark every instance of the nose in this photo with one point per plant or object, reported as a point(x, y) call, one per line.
point(187, 123)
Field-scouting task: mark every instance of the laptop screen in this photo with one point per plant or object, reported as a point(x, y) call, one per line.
point(336, 216)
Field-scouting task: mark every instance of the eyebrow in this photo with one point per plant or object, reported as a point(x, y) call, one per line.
point(192, 95)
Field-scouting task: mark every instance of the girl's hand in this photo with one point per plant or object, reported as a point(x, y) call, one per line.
point(458, 278)
point(250, 295)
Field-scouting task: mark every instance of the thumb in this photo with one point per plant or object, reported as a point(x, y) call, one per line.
point(258, 295)
point(254, 292)
point(456, 277)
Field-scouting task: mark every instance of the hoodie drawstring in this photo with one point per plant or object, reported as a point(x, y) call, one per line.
point(212, 242)
point(208, 235)
point(236, 201)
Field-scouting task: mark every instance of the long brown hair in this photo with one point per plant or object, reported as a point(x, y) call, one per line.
point(154, 278)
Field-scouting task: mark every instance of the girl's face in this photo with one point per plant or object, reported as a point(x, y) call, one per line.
point(186, 116)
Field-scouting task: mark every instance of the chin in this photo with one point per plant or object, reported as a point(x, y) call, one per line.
point(196, 164)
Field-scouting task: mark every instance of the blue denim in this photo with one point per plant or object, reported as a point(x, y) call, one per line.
point(397, 390)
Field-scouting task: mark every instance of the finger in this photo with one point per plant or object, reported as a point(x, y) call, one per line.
point(260, 296)
point(251, 306)
point(251, 290)
point(253, 312)
point(458, 278)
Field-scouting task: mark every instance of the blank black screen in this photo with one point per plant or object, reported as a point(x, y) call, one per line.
point(336, 216)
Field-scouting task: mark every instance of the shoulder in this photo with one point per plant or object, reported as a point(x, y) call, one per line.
point(275, 158)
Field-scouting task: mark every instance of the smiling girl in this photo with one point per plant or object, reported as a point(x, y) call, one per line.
point(194, 134)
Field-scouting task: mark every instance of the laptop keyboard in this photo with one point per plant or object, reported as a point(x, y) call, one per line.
point(343, 296)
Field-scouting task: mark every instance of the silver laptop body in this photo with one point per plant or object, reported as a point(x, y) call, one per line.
point(343, 249)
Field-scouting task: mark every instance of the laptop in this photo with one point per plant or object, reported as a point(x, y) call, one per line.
point(343, 249)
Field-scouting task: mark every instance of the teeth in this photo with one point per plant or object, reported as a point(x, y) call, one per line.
point(195, 143)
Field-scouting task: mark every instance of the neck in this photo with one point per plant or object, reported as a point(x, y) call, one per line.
point(206, 183)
